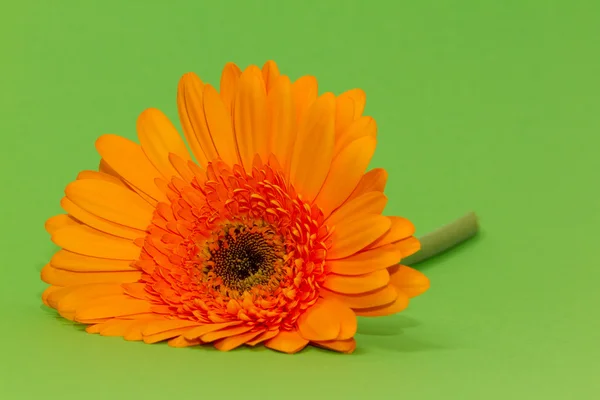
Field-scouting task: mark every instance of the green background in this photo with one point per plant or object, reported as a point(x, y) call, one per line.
point(483, 105)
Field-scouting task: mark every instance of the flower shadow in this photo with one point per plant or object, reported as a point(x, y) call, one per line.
point(401, 343)
point(389, 333)
point(389, 326)
point(53, 314)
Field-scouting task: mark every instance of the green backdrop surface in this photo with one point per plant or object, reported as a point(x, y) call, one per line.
point(490, 106)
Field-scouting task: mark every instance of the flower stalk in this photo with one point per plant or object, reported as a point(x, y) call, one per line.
point(445, 238)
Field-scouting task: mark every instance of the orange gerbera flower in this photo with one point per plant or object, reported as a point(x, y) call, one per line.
point(273, 235)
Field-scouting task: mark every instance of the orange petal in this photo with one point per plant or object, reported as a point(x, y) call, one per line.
point(59, 221)
point(94, 328)
point(181, 341)
point(181, 166)
point(68, 298)
point(372, 181)
point(114, 327)
point(167, 325)
point(409, 280)
point(143, 195)
point(250, 117)
point(365, 262)
point(360, 99)
point(400, 229)
point(111, 202)
point(362, 127)
point(270, 73)
point(223, 333)
point(74, 262)
point(343, 346)
point(376, 298)
point(71, 311)
point(99, 223)
point(161, 336)
point(110, 307)
point(158, 138)
point(47, 292)
point(90, 242)
point(199, 331)
point(71, 317)
point(93, 219)
point(196, 103)
point(305, 91)
point(232, 342)
point(104, 168)
point(145, 315)
point(263, 337)
point(398, 305)
point(107, 174)
point(60, 277)
point(229, 82)
point(136, 290)
point(287, 342)
point(346, 171)
point(199, 172)
point(408, 246)
point(321, 321)
point(313, 150)
point(134, 332)
point(281, 122)
point(102, 176)
point(130, 161)
point(219, 125)
point(348, 322)
point(353, 235)
point(368, 203)
point(189, 101)
point(357, 283)
point(54, 296)
point(344, 114)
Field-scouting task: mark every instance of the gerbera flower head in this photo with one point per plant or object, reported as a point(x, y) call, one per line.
point(271, 233)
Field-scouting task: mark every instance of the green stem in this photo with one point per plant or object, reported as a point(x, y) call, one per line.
point(444, 238)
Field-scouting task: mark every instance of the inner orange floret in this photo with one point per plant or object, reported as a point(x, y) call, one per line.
point(233, 246)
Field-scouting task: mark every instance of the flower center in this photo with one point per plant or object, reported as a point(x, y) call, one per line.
point(231, 246)
point(242, 257)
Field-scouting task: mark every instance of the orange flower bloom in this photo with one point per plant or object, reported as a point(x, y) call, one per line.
point(274, 235)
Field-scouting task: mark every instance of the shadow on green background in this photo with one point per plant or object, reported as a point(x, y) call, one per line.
point(490, 106)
